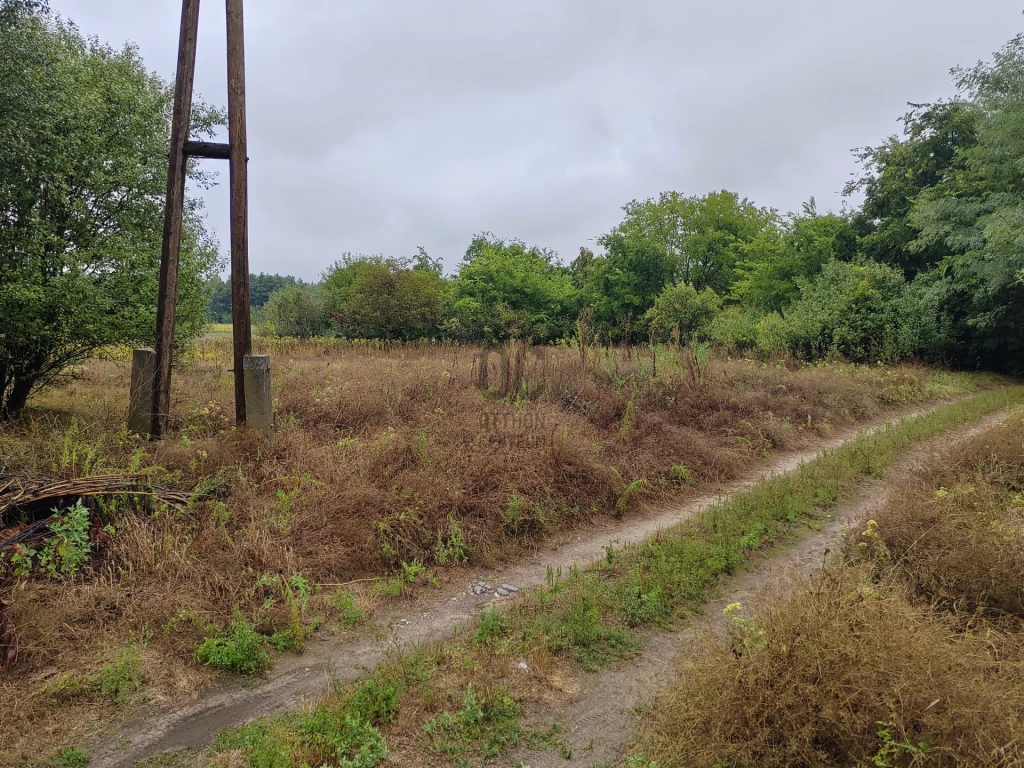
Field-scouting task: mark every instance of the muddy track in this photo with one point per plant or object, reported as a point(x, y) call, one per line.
point(602, 724)
point(431, 616)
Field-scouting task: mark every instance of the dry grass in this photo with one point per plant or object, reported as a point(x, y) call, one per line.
point(954, 530)
point(847, 672)
point(907, 653)
point(382, 456)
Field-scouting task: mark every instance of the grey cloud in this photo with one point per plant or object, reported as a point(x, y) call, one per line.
point(381, 126)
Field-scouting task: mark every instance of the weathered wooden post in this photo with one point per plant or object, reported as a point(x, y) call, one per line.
point(235, 151)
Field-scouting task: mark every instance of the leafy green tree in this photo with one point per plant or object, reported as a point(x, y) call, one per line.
point(384, 297)
point(976, 218)
point(83, 166)
point(261, 287)
point(735, 329)
point(582, 267)
point(297, 311)
point(928, 155)
point(864, 312)
point(700, 235)
point(773, 262)
point(625, 282)
point(393, 299)
point(506, 289)
point(680, 307)
point(338, 279)
point(220, 299)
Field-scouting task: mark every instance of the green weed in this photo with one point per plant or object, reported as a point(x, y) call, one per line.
point(239, 649)
point(682, 474)
point(121, 678)
point(73, 758)
point(485, 727)
point(348, 609)
point(65, 551)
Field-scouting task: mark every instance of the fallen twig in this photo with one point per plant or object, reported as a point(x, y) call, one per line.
point(354, 581)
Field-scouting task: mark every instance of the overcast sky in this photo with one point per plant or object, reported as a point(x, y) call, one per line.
point(377, 127)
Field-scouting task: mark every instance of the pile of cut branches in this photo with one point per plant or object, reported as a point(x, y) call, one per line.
point(53, 498)
point(43, 502)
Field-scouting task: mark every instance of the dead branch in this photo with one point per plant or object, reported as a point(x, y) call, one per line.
point(20, 494)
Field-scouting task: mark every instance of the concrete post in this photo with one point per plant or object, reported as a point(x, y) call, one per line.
point(140, 393)
point(259, 404)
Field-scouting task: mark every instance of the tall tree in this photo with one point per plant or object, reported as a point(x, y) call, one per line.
point(928, 155)
point(976, 217)
point(701, 235)
point(625, 282)
point(507, 289)
point(772, 265)
point(84, 131)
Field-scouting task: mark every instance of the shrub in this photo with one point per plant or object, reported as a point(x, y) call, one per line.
point(295, 310)
point(64, 552)
point(682, 307)
point(772, 335)
point(863, 312)
point(734, 329)
point(240, 649)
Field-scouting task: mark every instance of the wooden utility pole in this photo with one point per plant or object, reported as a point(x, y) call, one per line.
point(181, 148)
point(241, 325)
point(171, 249)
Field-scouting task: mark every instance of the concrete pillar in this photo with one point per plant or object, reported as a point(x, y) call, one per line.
point(140, 393)
point(259, 405)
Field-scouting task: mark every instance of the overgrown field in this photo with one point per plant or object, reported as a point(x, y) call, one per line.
point(391, 461)
point(907, 652)
point(469, 698)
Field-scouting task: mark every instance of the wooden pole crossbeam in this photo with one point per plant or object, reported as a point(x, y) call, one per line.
point(208, 150)
point(181, 148)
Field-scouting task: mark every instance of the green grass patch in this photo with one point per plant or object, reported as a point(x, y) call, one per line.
point(471, 713)
point(240, 649)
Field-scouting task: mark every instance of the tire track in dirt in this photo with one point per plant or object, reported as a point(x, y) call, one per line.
point(298, 680)
point(601, 719)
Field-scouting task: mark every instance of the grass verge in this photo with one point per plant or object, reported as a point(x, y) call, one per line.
point(460, 700)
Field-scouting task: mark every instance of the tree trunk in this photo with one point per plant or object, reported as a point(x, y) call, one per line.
point(12, 401)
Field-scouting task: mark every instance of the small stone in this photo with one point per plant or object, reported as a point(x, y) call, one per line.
point(510, 588)
point(503, 592)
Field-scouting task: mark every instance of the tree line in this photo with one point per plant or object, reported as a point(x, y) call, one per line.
point(930, 265)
